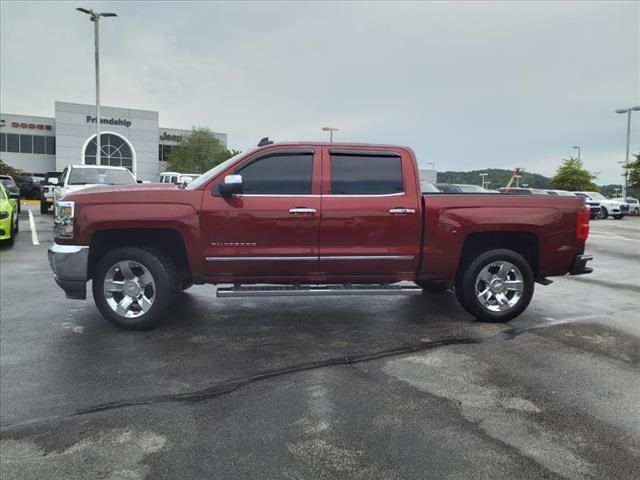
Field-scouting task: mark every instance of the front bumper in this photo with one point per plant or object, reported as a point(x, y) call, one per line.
point(70, 265)
point(579, 266)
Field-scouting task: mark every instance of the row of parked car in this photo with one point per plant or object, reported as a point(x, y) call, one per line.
point(600, 206)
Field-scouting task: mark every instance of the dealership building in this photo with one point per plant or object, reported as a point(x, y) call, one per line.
point(130, 138)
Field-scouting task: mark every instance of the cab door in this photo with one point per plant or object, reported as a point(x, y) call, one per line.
point(271, 230)
point(371, 214)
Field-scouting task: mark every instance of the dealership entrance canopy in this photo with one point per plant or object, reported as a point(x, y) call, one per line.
point(129, 138)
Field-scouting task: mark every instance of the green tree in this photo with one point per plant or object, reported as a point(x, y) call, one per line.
point(198, 152)
point(633, 172)
point(573, 176)
point(9, 170)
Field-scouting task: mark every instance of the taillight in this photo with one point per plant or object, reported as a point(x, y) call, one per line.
point(582, 227)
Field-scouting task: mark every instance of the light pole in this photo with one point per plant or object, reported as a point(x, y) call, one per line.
point(626, 158)
point(330, 130)
point(483, 175)
point(578, 148)
point(95, 18)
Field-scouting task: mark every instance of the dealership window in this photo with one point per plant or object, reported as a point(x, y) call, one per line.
point(354, 174)
point(114, 151)
point(26, 143)
point(13, 142)
point(164, 151)
point(3, 142)
point(38, 144)
point(50, 145)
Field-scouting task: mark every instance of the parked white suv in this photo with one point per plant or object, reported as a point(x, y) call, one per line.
point(77, 177)
point(608, 206)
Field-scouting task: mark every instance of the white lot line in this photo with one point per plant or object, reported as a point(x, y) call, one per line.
point(34, 233)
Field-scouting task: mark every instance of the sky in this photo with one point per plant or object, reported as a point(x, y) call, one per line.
point(467, 85)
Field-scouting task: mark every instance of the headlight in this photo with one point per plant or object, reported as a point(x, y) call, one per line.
point(63, 223)
point(4, 215)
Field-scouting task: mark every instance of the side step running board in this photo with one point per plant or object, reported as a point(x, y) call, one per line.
point(316, 290)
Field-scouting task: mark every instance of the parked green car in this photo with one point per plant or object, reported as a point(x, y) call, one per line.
point(8, 217)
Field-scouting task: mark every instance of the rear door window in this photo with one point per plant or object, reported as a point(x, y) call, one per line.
point(361, 174)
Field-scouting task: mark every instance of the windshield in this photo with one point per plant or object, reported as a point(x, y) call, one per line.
point(100, 176)
point(3, 194)
point(597, 196)
point(206, 176)
point(470, 188)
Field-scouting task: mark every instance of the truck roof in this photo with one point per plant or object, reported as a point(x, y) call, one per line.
point(108, 167)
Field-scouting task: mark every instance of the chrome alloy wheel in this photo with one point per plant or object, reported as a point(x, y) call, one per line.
point(129, 289)
point(499, 286)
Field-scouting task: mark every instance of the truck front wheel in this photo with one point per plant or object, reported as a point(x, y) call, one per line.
point(497, 286)
point(133, 287)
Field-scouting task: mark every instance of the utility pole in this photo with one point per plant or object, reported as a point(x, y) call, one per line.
point(626, 158)
point(578, 148)
point(95, 18)
point(483, 175)
point(330, 130)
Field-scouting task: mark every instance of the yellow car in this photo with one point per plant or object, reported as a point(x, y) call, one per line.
point(8, 217)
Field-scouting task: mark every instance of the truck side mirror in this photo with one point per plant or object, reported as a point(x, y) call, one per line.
point(53, 181)
point(232, 186)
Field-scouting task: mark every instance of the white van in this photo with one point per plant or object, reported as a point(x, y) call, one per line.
point(177, 177)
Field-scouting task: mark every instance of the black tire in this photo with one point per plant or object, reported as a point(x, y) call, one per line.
point(187, 283)
point(593, 216)
point(433, 286)
point(636, 211)
point(604, 213)
point(618, 217)
point(163, 272)
point(12, 239)
point(44, 207)
point(16, 228)
point(468, 279)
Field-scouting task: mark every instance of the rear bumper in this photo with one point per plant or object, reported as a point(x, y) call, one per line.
point(69, 265)
point(579, 266)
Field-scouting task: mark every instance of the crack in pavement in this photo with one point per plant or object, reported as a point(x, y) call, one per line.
point(229, 386)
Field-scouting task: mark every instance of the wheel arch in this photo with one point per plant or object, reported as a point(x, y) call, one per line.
point(524, 243)
point(167, 240)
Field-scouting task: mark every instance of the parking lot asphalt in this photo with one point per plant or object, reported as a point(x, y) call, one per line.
point(322, 388)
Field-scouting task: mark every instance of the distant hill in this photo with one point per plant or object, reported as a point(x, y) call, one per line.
point(498, 177)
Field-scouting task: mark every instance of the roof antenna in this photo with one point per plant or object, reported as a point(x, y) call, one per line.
point(265, 141)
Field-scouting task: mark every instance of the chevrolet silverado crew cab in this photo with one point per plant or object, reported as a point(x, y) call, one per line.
point(311, 219)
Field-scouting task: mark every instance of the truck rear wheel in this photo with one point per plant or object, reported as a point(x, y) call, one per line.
point(133, 287)
point(604, 213)
point(497, 286)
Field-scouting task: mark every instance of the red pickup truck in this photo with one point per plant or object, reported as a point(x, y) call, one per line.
point(312, 219)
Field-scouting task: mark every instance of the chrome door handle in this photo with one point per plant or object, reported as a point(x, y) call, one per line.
point(302, 210)
point(401, 211)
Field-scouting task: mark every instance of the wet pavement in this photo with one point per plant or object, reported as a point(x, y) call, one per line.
point(345, 387)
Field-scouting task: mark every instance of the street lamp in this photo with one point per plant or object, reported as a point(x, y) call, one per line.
point(578, 148)
point(626, 158)
point(330, 130)
point(483, 175)
point(95, 18)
